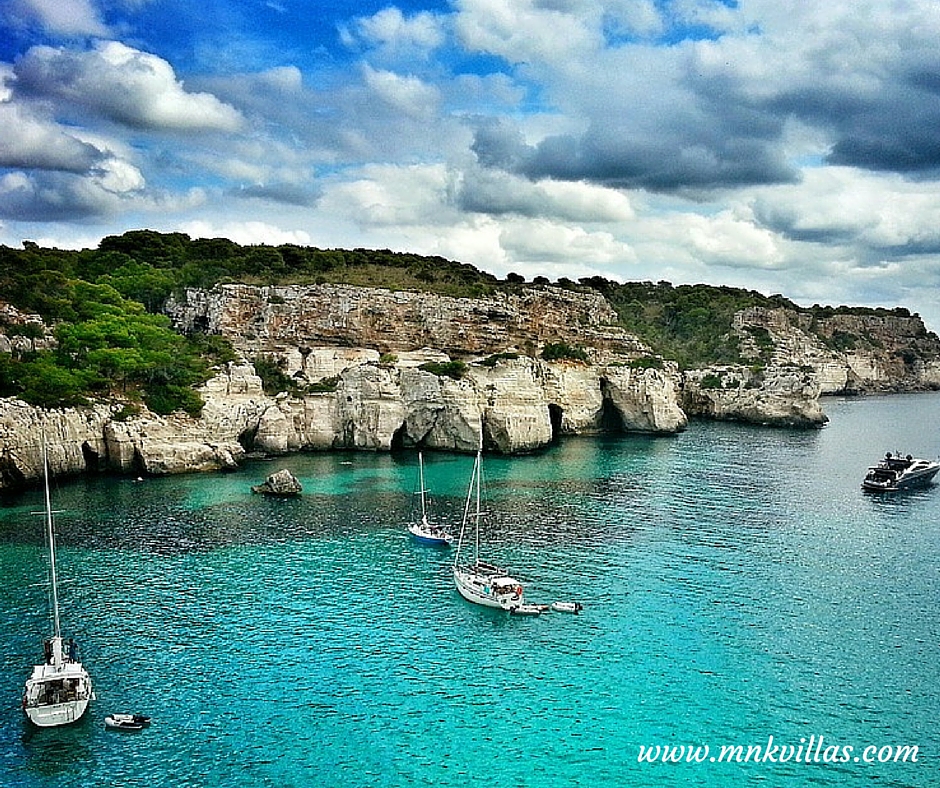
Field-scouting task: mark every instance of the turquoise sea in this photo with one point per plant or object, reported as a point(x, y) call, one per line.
point(739, 589)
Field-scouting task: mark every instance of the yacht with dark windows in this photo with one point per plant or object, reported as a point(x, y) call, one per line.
point(895, 472)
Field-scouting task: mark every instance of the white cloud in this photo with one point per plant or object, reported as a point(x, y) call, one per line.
point(119, 176)
point(124, 85)
point(391, 29)
point(879, 215)
point(283, 79)
point(387, 195)
point(529, 32)
point(543, 241)
point(6, 81)
point(496, 192)
point(30, 142)
point(471, 241)
point(246, 232)
point(56, 196)
point(63, 17)
point(633, 18)
point(407, 95)
point(727, 239)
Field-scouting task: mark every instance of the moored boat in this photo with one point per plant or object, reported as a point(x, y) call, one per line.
point(421, 528)
point(481, 582)
point(529, 610)
point(895, 472)
point(58, 690)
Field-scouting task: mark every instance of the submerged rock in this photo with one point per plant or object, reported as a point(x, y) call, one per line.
point(281, 483)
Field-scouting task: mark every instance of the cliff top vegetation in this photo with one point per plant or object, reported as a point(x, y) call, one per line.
point(112, 339)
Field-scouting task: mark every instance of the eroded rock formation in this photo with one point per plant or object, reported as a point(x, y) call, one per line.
point(359, 358)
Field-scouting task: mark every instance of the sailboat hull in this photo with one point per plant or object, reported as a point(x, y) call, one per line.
point(57, 714)
point(495, 590)
point(425, 533)
point(57, 696)
point(429, 539)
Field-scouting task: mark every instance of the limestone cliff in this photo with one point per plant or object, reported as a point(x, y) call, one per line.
point(291, 320)
point(847, 353)
point(356, 356)
point(798, 357)
point(373, 407)
point(780, 396)
point(359, 360)
point(371, 343)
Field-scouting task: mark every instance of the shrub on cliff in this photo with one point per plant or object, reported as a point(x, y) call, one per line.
point(493, 360)
point(449, 369)
point(559, 351)
point(688, 323)
point(647, 362)
point(273, 379)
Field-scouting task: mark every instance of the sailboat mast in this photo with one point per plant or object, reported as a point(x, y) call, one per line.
point(479, 463)
point(463, 523)
point(50, 536)
point(424, 513)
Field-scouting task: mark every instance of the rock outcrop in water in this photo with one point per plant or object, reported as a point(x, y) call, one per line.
point(796, 359)
point(280, 484)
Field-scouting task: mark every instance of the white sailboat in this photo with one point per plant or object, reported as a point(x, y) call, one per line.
point(59, 690)
point(422, 529)
point(481, 582)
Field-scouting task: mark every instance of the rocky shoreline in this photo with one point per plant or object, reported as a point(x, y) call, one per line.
point(366, 363)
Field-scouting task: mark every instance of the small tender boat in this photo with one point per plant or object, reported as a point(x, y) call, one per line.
point(899, 473)
point(528, 610)
point(567, 607)
point(126, 722)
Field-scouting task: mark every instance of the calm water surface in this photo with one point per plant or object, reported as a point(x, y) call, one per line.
point(737, 586)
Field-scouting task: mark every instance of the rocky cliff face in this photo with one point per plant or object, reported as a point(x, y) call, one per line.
point(797, 358)
point(318, 332)
point(303, 319)
point(356, 356)
point(374, 407)
point(372, 342)
point(780, 396)
point(847, 353)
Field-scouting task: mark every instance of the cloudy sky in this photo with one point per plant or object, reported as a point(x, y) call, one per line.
point(781, 145)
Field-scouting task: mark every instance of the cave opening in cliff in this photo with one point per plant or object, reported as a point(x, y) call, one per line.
point(91, 458)
point(10, 475)
point(611, 420)
point(246, 438)
point(398, 438)
point(138, 466)
point(555, 415)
